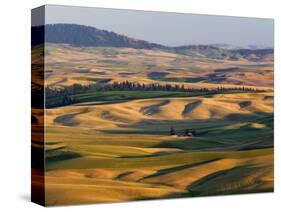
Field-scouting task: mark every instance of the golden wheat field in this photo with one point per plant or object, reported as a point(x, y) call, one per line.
point(119, 145)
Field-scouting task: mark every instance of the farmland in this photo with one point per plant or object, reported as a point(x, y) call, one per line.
point(116, 145)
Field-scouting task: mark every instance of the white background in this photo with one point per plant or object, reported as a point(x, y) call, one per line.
point(15, 105)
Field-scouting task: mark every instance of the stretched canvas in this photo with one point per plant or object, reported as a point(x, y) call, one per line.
point(136, 105)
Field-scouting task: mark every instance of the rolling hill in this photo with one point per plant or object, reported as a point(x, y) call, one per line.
point(112, 102)
point(122, 151)
point(222, 53)
point(79, 35)
point(87, 36)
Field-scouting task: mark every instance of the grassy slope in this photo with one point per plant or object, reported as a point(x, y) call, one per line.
point(69, 65)
point(136, 164)
point(101, 151)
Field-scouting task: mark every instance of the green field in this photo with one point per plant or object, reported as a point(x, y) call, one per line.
point(112, 146)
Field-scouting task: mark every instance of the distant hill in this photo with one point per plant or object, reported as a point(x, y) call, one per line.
point(79, 35)
point(213, 52)
point(86, 36)
point(235, 47)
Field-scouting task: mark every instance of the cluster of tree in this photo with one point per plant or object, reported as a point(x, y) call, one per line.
point(65, 96)
point(133, 86)
point(76, 88)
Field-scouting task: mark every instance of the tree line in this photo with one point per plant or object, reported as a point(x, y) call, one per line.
point(133, 86)
point(66, 94)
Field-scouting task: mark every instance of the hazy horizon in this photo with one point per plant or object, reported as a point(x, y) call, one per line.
point(166, 28)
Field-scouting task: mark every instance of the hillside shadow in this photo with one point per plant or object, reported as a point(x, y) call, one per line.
point(234, 132)
point(68, 119)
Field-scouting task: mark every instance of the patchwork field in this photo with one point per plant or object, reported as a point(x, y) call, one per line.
point(67, 65)
point(118, 145)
